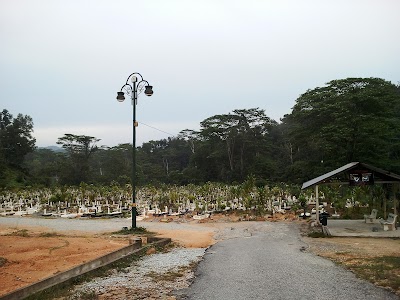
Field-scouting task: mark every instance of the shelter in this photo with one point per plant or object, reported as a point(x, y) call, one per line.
point(354, 174)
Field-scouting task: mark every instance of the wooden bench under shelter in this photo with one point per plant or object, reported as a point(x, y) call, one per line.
point(390, 223)
point(372, 217)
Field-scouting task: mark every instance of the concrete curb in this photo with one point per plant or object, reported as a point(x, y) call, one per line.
point(134, 247)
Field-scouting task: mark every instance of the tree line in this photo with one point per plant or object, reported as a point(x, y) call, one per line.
point(353, 119)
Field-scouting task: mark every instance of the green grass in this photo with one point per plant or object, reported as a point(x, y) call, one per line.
point(137, 230)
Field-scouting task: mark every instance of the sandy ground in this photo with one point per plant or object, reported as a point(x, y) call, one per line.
point(32, 257)
point(29, 254)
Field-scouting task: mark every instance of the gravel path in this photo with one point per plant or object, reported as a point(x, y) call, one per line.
point(155, 276)
point(271, 262)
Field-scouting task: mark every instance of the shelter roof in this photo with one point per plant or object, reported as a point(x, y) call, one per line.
point(381, 175)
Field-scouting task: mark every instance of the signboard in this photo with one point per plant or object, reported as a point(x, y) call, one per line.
point(361, 178)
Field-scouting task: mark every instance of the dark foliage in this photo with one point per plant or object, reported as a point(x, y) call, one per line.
point(354, 119)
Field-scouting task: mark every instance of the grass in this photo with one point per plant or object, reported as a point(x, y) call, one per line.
point(167, 276)
point(136, 230)
point(383, 271)
point(49, 234)
point(25, 233)
point(317, 234)
point(168, 247)
point(171, 275)
point(19, 232)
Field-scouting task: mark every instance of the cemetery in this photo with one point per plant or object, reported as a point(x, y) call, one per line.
point(357, 212)
point(334, 195)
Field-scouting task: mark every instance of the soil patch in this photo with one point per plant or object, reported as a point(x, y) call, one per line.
point(28, 257)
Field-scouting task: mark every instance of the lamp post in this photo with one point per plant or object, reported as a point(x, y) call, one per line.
point(134, 88)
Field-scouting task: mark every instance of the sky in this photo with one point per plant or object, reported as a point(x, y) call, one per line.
point(62, 62)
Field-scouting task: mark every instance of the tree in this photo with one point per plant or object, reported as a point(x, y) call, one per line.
point(44, 166)
point(164, 160)
point(79, 149)
point(112, 164)
point(244, 134)
point(16, 138)
point(191, 137)
point(254, 142)
point(353, 119)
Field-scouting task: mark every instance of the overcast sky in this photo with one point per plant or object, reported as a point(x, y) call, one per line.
point(62, 62)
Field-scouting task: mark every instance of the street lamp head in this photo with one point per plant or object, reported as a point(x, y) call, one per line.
point(120, 96)
point(149, 90)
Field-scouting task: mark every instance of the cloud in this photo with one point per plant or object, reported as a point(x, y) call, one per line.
point(62, 62)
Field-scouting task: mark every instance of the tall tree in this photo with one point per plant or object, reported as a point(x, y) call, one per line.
point(79, 149)
point(244, 134)
point(254, 140)
point(44, 166)
point(16, 138)
point(353, 119)
point(191, 137)
point(112, 164)
point(222, 128)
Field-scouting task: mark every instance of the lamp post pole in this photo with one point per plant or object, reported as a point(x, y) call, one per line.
point(134, 88)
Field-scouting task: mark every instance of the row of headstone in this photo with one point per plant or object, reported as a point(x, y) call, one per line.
point(83, 204)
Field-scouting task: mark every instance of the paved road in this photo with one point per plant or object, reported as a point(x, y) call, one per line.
point(268, 262)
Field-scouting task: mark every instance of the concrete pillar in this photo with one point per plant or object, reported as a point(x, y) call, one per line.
point(317, 204)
